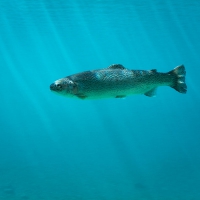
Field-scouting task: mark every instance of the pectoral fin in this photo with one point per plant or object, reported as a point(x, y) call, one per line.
point(81, 96)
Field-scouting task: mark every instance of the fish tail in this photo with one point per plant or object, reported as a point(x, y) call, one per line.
point(179, 79)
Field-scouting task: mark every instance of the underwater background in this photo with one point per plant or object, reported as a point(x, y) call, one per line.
point(137, 148)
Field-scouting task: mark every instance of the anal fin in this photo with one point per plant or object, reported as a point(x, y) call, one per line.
point(151, 93)
point(120, 96)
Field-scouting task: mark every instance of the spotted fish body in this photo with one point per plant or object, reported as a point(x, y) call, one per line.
point(117, 82)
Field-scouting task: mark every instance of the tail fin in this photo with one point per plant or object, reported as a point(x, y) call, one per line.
point(179, 79)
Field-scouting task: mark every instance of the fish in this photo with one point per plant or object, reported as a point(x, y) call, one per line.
point(116, 81)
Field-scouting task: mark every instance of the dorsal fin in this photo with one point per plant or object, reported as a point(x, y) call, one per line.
point(153, 70)
point(116, 66)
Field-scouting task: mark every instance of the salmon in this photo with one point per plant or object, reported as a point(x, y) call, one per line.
point(116, 81)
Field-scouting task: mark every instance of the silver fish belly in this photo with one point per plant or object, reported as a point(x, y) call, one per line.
point(117, 82)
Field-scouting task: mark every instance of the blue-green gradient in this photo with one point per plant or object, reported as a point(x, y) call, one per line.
point(138, 148)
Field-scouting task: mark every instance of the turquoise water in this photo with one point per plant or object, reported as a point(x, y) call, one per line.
point(138, 148)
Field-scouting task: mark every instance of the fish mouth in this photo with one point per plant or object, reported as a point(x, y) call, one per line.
point(56, 87)
point(53, 87)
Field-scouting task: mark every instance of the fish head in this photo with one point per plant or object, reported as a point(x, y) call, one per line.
point(64, 86)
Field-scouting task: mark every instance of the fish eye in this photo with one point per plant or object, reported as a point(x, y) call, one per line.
point(59, 86)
